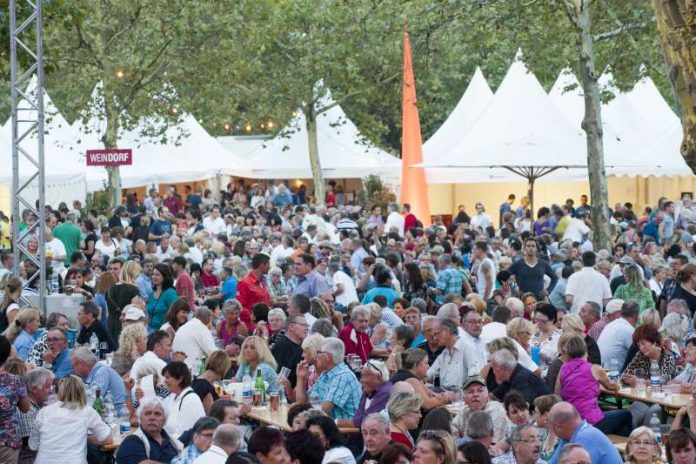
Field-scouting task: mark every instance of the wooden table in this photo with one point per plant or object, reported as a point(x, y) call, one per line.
point(279, 419)
point(666, 400)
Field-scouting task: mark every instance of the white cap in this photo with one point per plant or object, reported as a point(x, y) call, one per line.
point(133, 313)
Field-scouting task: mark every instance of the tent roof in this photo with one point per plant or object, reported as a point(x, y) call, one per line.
point(343, 152)
point(189, 154)
point(243, 145)
point(474, 101)
point(521, 127)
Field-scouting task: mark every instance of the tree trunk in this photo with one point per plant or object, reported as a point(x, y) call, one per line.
point(592, 124)
point(110, 140)
point(314, 161)
point(676, 22)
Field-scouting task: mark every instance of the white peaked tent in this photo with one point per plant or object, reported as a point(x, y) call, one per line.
point(343, 152)
point(189, 153)
point(635, 124)
point(65, 176)
point(449, 135)
point(243, 145)
point(521, 133)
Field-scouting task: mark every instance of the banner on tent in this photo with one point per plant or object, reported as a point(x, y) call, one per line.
point(110, 157)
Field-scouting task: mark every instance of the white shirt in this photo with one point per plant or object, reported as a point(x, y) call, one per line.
point(280, 252)
point(56, 248)
point(214, 227)
point(576, 230)
point(195, 255)
point(149, 358)
point(214, 455)
point(106, 249)
point(60, 434)
point(450, 365)
point(482, 220)
point(587, 285)
point(395, 220)
point(615, 340)
point(475, 354)
point(493, 330)
point(194, 339)
point(165, 254)
point(183, 411)
point(481, 278)
point(339, 454)
point(349, 294)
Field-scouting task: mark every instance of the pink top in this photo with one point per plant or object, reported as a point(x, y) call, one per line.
point(581, 389)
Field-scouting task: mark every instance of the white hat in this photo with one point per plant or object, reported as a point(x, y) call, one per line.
point(614, 306)
point(133, 313)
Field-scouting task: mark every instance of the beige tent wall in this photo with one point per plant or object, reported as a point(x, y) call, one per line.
point(641, 191)
point(5, 200)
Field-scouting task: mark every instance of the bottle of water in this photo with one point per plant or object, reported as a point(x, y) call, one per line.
point(54, 284)
point(94, 344)
point(655, 378)
point(655, 427)
point(614, 370)
point(248, 391)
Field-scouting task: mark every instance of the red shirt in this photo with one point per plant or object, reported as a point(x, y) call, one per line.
point(356, 342)
point(209, 280)
point(249, 292)
point(410, 221)
point(184, 288)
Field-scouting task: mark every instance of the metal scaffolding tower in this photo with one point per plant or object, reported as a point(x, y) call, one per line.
point(26, 60)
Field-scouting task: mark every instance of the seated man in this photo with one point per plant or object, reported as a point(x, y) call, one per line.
point(354, 335)
point(85, 365)
point(268, 446)
point(150, 442)
point(159, 350)
point(374, 379)
point(476, 399)
point(376, 436)
point(194, 338)
point(201, 439)
point(87, 316)
point(512, 376)
point(336, 388)
point(226, 441)
point(525, 447)
point(57, 357)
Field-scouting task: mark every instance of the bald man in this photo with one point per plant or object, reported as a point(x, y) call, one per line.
point(566, 423)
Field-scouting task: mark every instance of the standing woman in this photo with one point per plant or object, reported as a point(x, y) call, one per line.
point(61, 429)
point(415, 285)
point(14, 394)
point(21, 331)
point(10, 302)
point(634, 290)
point(162, 296)
point(105, 281)
point(121, 294)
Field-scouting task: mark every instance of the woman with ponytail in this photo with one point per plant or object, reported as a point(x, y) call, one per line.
point(20, 332)
point(10, 302)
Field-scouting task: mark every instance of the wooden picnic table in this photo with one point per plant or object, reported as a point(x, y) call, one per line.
point(279, 418)
point(666, 399)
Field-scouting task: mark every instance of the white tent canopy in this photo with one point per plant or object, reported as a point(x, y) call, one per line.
point(65, 176)
point(243, 145)
point(474, 101)
point(189, 154)
point(521, 129)
point(343, 152)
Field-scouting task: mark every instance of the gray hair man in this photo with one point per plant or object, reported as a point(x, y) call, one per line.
point(376, 436)
point(512, 376)
point(337, 388)
point(85, 365)
point(226, 441)
point(194, 338)
point(450, 365)
point(480, 428)
point(376, 388)
point(150, 442)
point(39, 382)
point(526, 446)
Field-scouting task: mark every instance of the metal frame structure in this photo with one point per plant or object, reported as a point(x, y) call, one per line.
point(28, 128)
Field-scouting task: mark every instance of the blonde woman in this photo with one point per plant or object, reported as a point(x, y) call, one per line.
point(216, 367)
point(377, 330)
point(642, 447)
point(310, 346)
point(520, 331)
point(61, 429)
point(121, 294)
point(573, 323)
point(673, 329)
point(650, 317)
point(254, 356)
point(404, 414)
point(20, 332)
point(132, 344)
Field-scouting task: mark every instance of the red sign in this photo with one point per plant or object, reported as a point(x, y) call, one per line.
point(112, 157)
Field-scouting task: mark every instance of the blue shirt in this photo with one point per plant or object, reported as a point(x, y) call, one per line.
point(23, 344)
point(229, 289)
point(161, 227)
point(144, 284)
point(340, 387)
point(449, 281)
point(108, 381)
point(311, 285)
point(601, 449)
point(62, 367)
point(389, 293)
point(267, 373)
point(157, 307)
point(420, 338)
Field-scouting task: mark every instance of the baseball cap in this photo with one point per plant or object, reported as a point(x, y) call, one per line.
point(614, 306)
point(133, 313)
point(472, 380)
point(626, 260)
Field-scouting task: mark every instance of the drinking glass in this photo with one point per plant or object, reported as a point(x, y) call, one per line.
point(315, 400)
point(284, 372)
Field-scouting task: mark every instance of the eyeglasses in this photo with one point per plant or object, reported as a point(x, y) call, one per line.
point(643, 443)
point(531, 441)
point(206, 434)
point(541, 321)
point(474, 322)
point(53, 339)
point(303, 325)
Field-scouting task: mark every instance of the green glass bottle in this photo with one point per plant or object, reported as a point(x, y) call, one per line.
point(98, 404)
point(259, 389)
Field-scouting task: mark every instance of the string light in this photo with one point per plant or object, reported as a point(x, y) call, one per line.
point(227, 127)
point(247, 128)
point(263, 126)
point(270, 124)
point(175, 111)
point(120, 74)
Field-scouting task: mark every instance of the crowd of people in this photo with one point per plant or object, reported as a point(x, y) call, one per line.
point(458, 342)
